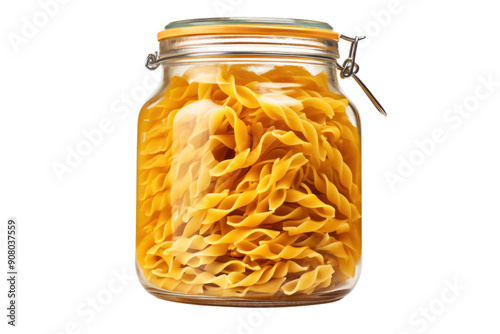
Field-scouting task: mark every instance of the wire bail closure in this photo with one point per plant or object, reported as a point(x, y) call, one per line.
point(350, 68)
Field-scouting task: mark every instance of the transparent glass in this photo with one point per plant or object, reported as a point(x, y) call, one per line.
point(249, 183)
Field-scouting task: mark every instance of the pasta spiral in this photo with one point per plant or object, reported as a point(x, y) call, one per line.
point(248, 184)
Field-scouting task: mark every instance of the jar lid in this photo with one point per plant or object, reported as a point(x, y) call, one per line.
point(249, 26)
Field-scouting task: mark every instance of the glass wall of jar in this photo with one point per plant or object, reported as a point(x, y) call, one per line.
point(249, 167)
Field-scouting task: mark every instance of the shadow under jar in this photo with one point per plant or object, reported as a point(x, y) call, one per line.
point(248, 167)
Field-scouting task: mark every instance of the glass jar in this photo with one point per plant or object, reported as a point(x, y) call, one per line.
point(249, 166)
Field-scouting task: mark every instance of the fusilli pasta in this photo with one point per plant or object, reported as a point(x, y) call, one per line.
point(248, 184)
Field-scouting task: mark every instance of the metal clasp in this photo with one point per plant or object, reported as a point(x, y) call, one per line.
point(152, 61)
point(350, 68)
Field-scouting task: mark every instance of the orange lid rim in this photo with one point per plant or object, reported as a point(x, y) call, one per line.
point(249, 29)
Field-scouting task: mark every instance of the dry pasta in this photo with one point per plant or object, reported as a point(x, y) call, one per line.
point(248, 184)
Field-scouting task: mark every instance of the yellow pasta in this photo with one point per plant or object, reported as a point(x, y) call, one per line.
point(248, 184)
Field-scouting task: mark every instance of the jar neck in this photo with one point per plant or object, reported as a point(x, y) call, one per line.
point(207, 47)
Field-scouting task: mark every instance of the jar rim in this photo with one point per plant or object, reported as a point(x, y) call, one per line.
point(249, 26)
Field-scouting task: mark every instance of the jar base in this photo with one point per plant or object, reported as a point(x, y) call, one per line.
point(250, 301)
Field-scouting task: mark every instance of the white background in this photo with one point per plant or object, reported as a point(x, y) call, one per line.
point(437, 225)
